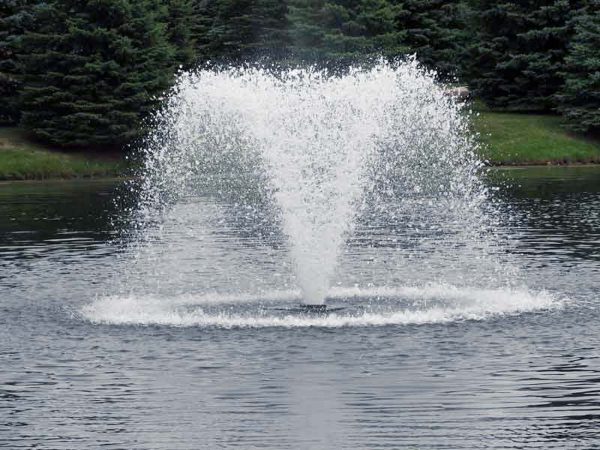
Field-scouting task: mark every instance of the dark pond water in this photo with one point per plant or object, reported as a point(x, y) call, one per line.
point(186, 342)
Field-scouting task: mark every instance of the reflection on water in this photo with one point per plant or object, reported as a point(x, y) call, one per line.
point(523, 374)
point(557, 212)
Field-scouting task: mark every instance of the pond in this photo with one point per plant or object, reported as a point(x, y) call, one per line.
point(163, 345)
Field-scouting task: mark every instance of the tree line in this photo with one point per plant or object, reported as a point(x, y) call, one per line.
point(84, 73)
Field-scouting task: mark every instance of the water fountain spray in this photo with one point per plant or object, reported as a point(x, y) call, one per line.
point(320, 149)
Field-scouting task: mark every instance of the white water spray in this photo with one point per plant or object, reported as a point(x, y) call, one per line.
point(320, 148)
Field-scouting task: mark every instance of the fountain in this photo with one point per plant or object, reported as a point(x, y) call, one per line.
point(267, 194)
point(321, 148)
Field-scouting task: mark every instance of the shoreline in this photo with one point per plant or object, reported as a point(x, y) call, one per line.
point(65, 180)
point(537, 164)
point(507, 140)
point(119, 178)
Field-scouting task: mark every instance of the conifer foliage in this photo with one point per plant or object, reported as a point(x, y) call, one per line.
point(519, 52)
point(343, 31)
point(580, 98)
point(15, 19)
point(92, 69)
point(241, 30)
point(180, 22)
point(85, 73)
point(436, 31)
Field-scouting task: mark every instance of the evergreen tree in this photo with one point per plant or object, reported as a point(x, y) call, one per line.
point(91, 70)
point(272, 27)
point(579, 101)
point(436, 31)
point(332, 32)
point(179, 29)
point(233, 33)
point(380, 21)
point(340, 32)
point(15, 19)
point(519, 52)
point(237, 30)
point(204, 14)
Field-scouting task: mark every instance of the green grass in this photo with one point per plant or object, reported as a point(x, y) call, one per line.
point(23, 159)
point(531, 139)
point(508, 138)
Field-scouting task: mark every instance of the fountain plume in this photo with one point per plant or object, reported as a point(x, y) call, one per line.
point(318, 149)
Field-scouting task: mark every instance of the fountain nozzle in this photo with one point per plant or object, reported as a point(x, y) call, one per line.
point(313, 307)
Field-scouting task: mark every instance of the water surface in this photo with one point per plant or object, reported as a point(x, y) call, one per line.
point(164, 347)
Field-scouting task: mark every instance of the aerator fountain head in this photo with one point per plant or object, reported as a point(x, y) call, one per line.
point(310, 309)
point(313, 308)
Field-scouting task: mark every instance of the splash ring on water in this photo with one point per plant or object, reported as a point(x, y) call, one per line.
point(360, 307)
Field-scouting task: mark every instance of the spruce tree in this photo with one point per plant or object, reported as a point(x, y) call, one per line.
point(307, 29)
point(579, 101)
point(272, 30)
point(519, 53)
point(180, 21)
point(15, 19)
point(204, 14)
point(339, 32)
point(436, 31)
point(92, 70)
point(232, 30)
point(240, 30)
point(380, 21)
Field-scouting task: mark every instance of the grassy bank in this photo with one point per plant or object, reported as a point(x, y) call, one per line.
point(514, 139)
point(509, 139)
point(23, 159)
